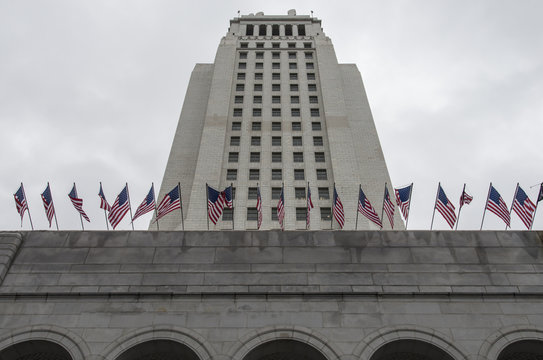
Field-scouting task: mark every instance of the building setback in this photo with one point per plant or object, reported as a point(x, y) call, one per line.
point(276, 108)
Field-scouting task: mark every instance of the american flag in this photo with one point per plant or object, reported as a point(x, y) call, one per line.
point(78, 203)
point(228, 197)
point(445, 207)
point(337, 210)
point(388, 207)
point(403, 197)
point(48, 204)
point(365, 208)
point(281, 210)
point(496, 204)
point(103, 202)
point(258, 208)
point(119, 208)
point(148, 204)
point(540, 196)
point(309, 207)
point(524, 207)
point(20, 202)
point(465, 198)
point(170, 202)
point(216, 201)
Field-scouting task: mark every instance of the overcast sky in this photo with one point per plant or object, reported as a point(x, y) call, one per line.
point(91, 91)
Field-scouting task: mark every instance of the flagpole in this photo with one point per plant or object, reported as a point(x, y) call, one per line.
point(181, 208)
point(30, 218)
point(80, 216)
point(486, 205)
point(409, 206)
point(461, 205)
point(156, 212)
point(435, 203)
point(284, 208)
point(358, 202)
point(105, 214)
point(511, 210)
point(53, 205)
point(207, 204)
point(129, 206)
point(383, 209)
point(333, 204)
point(232, 194)
point(307, 205)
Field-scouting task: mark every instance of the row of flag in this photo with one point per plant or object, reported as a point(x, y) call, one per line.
point(217, 201)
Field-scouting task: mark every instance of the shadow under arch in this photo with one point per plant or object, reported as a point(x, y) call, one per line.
point(158, 349)
point(57, 342)
point(380, 344)
point(155, 338)
point(513, 339)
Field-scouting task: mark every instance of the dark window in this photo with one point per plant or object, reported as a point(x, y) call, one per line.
point(241, 76)
point(317, 141)
point(311, 76)
point(301, 30)
point(258, 87)
point(276, 157)
point(276, 76)
point(251, 194)
point(293, 87)
point(296, 126)
point(236, 126)
point(260, 55)
point(321, 174)
point(276, 99)
point(316, 126)
point(276, 112)
point(276, 55)
point(276, 87)
point(257, 112)
point(243, 55)
point(326, 214)
point(262, 31)
point(250, 30)
point(313, 100)
point(293, 76)
point(309, 55)
point(275, 31)
point(319, 157)
point(259, 65)
point(288, 30)
point(292, 55)
point(231, 174)
point(276, 45)
point(291, 45)
point(255, 157)
point(233, 157)
point(240, 87)
point(274, 214)
point(295, 112)
point(315, 112)
point(257, 99)
point(276, 126)
point(276, 193)
point(260, 45)
point(297, 141)
point(276, 65)
point(238, 100)
point(238, 112)
point(255, 140)
point(244, 45)
point(227, 215)
point(254, 174)
point(299, 174)
point(292, 66)
point(242, 65)
point(259, 76)
point(311, 87)
point(277, 174)
point(298, 156)
point(276, 140)
point(307, 45)
point(324, 193)
point(294, 99)
point(309, 65)
point(256, 126)
point(234, 141)
point(299, 193)
point(252, 214)
point(301, 213)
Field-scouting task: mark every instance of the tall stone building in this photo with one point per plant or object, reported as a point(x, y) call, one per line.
point(276, 108)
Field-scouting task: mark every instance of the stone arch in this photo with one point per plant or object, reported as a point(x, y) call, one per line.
point(175, 338)
point(400, 334)
point(45, 338)
point(308, 337)
point(495, 345)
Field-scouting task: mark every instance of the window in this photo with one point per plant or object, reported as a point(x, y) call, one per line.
point(292, 66)
point(243, 55)
point(317, 141)
point(242, 65)
point(276, 193)
point(301, 30)
point(276, 126)
point(252, 214)
point(257, 99)
point(257, 112)
point(233, 157)
point(321, 174)
point(241, 76)
point(238, 100)
point(276, 87)
point(240, 87)
point(307, 45)
point(295, 112)
point(234, 141)
point(316, 126)
point(276, 65)
point(299, 193)
point(255, 140)
point(236, 126)
point(309, 65)
point(293, 76)
point(311, 87)
point(262, 31)
point(297, 141)
point(319, 157)
point(254, 174)
point(275, 31)
point(256, 126)
point(251, 194)
point(324, 193)
point(238, 112)
point(313, 100)
point(231, 174)
point(260, 55)
point(293, 87)
point(294, 99)
point(258, 87)
point(326, 214)
point(277, 174)
point(311, 76)
point(298, 156)
point(296, 126)
point(315, 112)
point(276, 140)
point(291, 45)
point(254, 157)
point(301, 213)
point(274, 214)
point(276, 55)
point(309, 55)
point(244, 45)
point(276, 112)
point(259, 45)
point(250, 30)
point(288, 31)
point(259, 76)
point(276, 45)
point(276, 99)
point(276, 76)
point(227, 214)
point(299, 174)
point(259, 65)
point(276, 157)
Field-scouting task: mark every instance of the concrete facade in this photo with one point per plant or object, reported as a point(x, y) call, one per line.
point(267, 295)
point(276, 101)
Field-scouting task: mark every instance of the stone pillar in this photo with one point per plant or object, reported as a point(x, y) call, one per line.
point(294, 30)
point(281, 30)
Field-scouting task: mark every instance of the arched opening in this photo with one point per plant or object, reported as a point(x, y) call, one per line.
point(158, 350)
point(35, 350)
point(284, 350)
point(410, 350)
point(523, 349)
